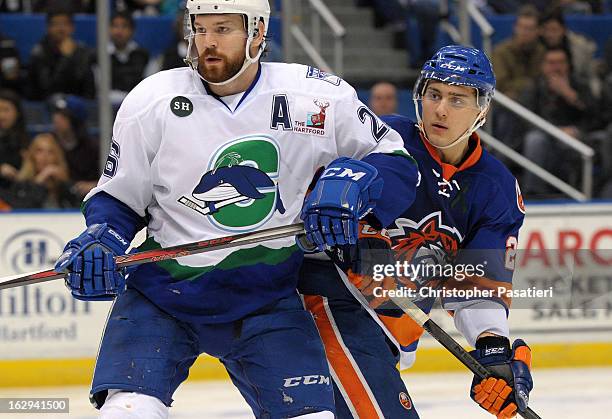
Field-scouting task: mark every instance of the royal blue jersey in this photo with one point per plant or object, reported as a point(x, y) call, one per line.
point(468, 215)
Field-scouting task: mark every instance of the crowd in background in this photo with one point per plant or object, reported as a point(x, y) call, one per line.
point(56, 166)
point(544, 66)
point(553, 72)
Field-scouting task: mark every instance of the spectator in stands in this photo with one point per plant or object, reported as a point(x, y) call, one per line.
point(564, 101)
point(13, 136)
point(517, 60)
point(128, 59)
point(43, 180)
point(69, 115)
point(517, 63)
point(58, 63)
point(10, 67)
point(600, 139)
point(579, 48)
point(383, 99)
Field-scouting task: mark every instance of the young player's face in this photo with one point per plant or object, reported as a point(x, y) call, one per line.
point(220, 40)
point(448, 111)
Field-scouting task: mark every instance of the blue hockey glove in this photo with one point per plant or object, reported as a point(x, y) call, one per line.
point(89, 261)
point(346, 191)
point(511, 383)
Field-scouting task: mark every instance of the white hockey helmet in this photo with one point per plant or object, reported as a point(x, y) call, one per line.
point(254, 11)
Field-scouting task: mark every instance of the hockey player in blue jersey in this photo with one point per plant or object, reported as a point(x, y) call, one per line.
point(467, 211)
point(227, 145)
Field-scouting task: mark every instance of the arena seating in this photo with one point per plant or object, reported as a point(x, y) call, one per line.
point(154, 33)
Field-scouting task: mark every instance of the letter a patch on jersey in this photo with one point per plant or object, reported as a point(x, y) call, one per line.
point(280, 113)
point(239, 191)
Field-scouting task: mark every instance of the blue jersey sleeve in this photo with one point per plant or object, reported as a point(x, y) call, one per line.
point(104, 208)
point(400, 176)
point(403, 125)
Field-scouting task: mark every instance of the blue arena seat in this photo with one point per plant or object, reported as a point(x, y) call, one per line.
point(155, 33)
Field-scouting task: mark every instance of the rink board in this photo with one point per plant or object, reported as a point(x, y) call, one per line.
point(48, 338)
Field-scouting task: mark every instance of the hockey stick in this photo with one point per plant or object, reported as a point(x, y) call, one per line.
point(450, 344)
point(173, 252)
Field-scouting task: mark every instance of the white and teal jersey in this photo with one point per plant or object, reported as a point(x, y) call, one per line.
point(199, 168)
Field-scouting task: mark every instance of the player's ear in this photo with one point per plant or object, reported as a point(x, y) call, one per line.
point(259, 37)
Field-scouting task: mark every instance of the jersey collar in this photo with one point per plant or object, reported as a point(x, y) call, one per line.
point(244, 96)
point(448, 170)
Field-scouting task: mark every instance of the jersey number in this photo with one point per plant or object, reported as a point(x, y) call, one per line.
point(112, 161)
point(379, 129)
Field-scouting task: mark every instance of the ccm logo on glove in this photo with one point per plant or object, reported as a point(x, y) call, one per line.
point(118, 237)
point(340, 173)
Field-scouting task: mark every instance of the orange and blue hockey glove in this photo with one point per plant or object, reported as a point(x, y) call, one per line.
point(362, 263)
point(508, 389)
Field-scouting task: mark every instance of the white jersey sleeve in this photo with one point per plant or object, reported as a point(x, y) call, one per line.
point(127, 175)
point(475, 318)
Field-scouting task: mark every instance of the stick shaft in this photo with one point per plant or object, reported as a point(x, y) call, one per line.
point(173, 252)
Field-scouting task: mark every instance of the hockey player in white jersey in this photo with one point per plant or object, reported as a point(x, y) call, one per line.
point(228, 145)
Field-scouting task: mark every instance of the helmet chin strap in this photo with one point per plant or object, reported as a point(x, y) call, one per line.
point(247, 62)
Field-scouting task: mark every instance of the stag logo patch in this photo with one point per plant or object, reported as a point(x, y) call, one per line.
point(314, 116)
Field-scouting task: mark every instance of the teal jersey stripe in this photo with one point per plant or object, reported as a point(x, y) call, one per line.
point(238, 259)
point(403, 154)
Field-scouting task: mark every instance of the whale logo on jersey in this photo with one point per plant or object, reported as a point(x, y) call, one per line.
point(426, 241)
point(230, 184)
point(239, 192)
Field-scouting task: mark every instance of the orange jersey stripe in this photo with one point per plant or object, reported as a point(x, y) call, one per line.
point(340, 362)
point(405, 330)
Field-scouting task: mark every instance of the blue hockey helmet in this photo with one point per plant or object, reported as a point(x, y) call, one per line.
point(459, 65)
